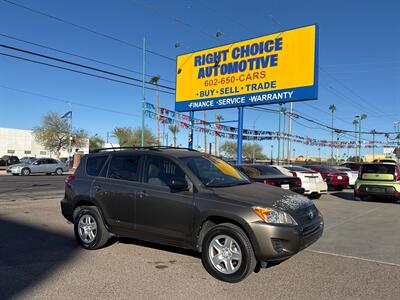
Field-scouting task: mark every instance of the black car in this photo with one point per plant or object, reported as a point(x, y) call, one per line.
point(271, 176)
point(8, 160)
point(191, 200)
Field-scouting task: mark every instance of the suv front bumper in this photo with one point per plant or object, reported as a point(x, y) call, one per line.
point(279, 242)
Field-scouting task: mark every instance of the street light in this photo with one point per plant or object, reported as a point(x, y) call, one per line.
point(332, 108)
point(68, 115)
point(360, 118)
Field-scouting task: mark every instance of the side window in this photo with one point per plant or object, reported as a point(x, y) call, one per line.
point(94, 165)
point(160, 171)
point(124, 167)
point(51, 161)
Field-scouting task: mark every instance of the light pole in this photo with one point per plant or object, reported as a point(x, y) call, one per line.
point(355, 123)
point(373, 131)
point(68, 115)
point(143, 90)
point(272, 154)
point(319, 154)
point(154, 80)
point(360, 118)
point(332, 108)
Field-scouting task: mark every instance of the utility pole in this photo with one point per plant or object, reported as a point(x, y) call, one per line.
point(154, 80)
point(332, 108)
point(355, 123)
point(215, 133)
point(143, 89)
point(272, 154)
point(289, 151)
point(284, 134)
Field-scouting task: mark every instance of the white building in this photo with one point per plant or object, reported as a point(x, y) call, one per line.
point(21, 142)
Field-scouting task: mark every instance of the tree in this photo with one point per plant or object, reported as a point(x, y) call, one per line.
point(95, 142)
point(230, 149)
point(128, 137)
point(54, 134)
point(174, 130)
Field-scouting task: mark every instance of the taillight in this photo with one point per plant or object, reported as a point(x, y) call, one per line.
point(297, 183)
point(270, 182)
point(69, 179)
point(294, 174)
point(397, 173)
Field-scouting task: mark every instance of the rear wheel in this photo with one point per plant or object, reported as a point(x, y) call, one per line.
point(25, 171)
point(89, 228)
point(227, 253)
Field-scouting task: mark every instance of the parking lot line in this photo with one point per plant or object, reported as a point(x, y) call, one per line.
point(351, 218)
point(354, 257)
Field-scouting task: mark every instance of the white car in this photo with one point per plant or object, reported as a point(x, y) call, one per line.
point(312, 181)
point(353, 175)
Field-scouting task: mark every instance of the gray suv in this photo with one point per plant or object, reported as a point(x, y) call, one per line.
point(192, 200)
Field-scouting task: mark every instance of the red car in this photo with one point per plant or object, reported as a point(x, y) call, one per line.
point(335, 179)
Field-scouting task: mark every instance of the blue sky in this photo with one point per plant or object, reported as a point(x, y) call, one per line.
point(359, 58)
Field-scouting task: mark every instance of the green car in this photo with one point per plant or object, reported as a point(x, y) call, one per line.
point(378, 180)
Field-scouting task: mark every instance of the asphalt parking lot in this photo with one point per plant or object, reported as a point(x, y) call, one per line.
point(357, 257)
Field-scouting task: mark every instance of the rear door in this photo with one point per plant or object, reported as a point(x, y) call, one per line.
point(378, 172)
point(50, 165)
point(39, 166)
point(116, 190)
point(164, 214)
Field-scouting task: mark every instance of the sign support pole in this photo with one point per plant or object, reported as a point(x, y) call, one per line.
point(240, 135)
point(191, 116)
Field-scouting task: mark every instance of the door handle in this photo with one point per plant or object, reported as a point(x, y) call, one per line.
point(97, 187)
point(143, 194)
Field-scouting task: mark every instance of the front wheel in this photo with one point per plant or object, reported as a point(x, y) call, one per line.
point(25, 171)
point(89, 228)
point(227, 253)
point(314, 196)
point(59, 171)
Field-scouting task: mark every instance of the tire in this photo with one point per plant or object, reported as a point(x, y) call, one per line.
point(315, 196)
point(239, 248)
point(59, 171)
point(25, 171)
point(89, 216)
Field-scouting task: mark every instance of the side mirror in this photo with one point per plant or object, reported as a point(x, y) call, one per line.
point(178, 184)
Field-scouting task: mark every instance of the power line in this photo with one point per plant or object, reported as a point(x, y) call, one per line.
point(87, 29)
point(78, 65)
point(80, 72)
point(80, 56)
point(67, 101)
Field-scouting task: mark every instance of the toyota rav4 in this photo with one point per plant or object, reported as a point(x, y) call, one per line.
point(188, 199)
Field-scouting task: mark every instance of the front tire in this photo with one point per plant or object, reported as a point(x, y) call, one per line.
point(227, 253)
point(26, 171)
point(89, 228)
point(315, 196)
point(59, 171)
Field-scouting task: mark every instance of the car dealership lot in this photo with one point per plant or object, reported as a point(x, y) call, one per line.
point(357, 257)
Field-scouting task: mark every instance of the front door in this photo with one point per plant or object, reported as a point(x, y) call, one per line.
point(161, 213)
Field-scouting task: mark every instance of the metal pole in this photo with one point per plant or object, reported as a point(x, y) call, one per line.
point(373, 146)
point(191, 116)
point(143, 89)
point(284, 132)
point(215, 134)
point(289, 146)
point(205, 132)
point(240, 135)
point(158, 113)
point(332, 138)
point(359, 141)
point(279, 136)
point(254, 142)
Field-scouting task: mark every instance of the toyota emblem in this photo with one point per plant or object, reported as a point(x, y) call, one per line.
point(310, 215)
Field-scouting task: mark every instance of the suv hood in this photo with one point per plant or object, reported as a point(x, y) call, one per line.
point(258, 194)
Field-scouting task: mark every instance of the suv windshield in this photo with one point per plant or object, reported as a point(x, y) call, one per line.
point(214, 172)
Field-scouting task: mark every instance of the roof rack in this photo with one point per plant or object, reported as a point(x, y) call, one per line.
point(156, 148)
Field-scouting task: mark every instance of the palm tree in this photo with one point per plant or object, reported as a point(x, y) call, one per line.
point(154, 80)
point(174, 130)
point(332, 108)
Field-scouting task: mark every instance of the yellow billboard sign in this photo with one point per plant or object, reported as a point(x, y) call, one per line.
point(276, 68)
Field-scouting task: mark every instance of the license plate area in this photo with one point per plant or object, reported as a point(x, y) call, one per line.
point(285, 186)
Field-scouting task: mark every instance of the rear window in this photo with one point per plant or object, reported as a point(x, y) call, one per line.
point(124, 168)
point(94, 165)
point(254, 171)
point(299, 169)
point(378, 169)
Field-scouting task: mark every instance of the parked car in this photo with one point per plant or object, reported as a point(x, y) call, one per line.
point(8, 160)
point(40, 165)
point(352, 166)
point(269, 175)
point(335, 179)
point(312, 181)
point(353, 175)
point(190, 200)
point(379, 180)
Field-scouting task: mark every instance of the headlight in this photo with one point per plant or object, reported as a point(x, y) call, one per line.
point(273, 216)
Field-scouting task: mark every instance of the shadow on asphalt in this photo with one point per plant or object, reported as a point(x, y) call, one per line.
point(29, 254)
point(350, 197)
point(167, 248)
